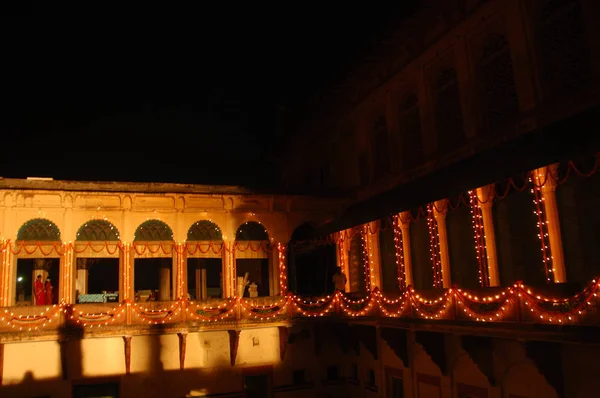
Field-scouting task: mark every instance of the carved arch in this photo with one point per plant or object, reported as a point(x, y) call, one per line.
point(153, 230)
point(526, 369)
point(39, 230)
point(251, 230)
point(204, 230)
point(97, 230)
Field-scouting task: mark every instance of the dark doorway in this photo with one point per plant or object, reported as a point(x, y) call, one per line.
point(257, 386)
point(103, 276)
point(258, 272)
point(108, 390)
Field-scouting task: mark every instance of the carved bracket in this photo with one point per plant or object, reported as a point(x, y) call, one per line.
point(127, 341)
point(481, 351)
point(234, 341)
point(182, 348)
point(545, 356)
point(368, 336)
point(284, 332)
point(397, 339)
point(435, 346)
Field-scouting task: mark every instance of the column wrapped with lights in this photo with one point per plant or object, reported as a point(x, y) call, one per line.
point(66, 266)
point(366, 258)
point(5, 273)
point(542, 229)
point(398, 243)
point(127, 271)
point(181, 256)
point(282, 269)
point(434, 248)
point(479, 237)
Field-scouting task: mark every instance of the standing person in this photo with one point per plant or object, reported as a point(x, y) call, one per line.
point(38, 291)
point(49, 292)
point(339, 280)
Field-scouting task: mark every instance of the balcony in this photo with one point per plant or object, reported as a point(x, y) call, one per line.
point(559, 312)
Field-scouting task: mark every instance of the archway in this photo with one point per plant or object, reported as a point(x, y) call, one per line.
point(252, 256)
point(153, 264)
point(311, 266)
point(205, 260)
point(97, 262)
point(37, 273)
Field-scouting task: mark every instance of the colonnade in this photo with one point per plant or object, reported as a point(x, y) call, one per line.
point(544, 177)
point(74, 268)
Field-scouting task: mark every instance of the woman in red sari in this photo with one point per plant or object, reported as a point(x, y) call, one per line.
point(38, 291)
point(49, 292)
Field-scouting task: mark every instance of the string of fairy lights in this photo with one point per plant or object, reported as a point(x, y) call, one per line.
point(516, 303)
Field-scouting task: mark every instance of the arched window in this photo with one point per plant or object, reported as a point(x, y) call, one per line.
point(381, 147)
point(39, 230)
point(448, 112)
point(204, 230)
point(251, 230)
point(500, 100)
point(97, 230)
point(565, 56)
point(46, 266)
point(410, 133)
point(153, 230)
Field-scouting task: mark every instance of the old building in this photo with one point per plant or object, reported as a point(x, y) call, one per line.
point(462, 156)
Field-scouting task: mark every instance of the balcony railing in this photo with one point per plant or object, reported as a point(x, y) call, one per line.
point(556, 304)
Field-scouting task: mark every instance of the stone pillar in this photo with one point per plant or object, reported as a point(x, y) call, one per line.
point(548, 177)
point(486, 202)
point(164, 283)
point(374, 254)
point(440, 218)
point(404, 222)
point(200, 278)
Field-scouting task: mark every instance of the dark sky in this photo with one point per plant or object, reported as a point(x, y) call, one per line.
point(185, 95)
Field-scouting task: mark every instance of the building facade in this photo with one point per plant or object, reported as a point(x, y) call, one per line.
point(467, 236)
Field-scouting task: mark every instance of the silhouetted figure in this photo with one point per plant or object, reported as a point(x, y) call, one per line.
point(38, 291)
point(339, 280)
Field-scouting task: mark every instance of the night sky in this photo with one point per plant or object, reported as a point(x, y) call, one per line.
point(185, 95)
